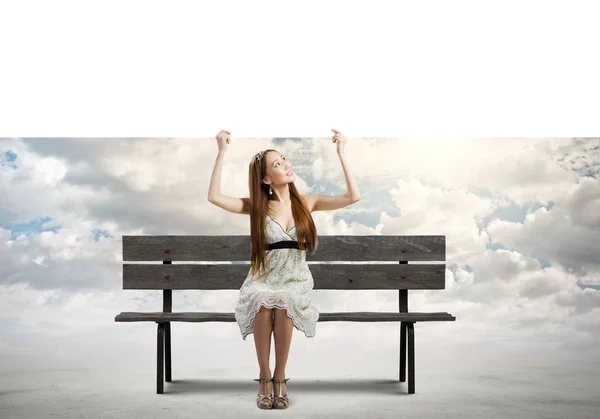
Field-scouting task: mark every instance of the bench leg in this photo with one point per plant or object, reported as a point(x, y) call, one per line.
point(168, 352)
point(402, 352)
point(160, 358)
point(411, 357)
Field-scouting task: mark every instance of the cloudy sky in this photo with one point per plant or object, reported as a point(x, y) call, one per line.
point(521, 219)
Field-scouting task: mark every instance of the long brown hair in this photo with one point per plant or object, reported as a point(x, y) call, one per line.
point(306, 232)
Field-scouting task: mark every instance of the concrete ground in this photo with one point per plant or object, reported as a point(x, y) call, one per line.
point(91, 393)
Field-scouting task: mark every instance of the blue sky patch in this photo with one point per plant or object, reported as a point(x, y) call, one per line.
point(544, 262)
point(32, 227)
point(9, 159)
point(514, 213)
point(592, 286)
point(100, 233)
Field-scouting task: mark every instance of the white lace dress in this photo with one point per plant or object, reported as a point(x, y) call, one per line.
point(287, 284)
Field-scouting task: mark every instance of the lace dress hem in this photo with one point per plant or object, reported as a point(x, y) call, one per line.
point(275, 301)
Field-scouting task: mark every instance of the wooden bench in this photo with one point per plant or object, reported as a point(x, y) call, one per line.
point(401, 276)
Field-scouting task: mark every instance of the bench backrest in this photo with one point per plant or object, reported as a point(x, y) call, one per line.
point(400, 275)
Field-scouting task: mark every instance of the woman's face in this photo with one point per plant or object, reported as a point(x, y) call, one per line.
point(278, 167)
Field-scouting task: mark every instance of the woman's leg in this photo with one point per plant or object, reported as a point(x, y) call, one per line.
point(283, 338)
point(263, 328)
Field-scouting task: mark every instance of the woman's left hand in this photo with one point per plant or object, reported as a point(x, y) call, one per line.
point(339, 139)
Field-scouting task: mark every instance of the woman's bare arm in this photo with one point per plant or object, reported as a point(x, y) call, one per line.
point(229, 203)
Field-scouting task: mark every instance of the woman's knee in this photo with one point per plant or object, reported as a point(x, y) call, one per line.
point(280, 311)
point(264, 311)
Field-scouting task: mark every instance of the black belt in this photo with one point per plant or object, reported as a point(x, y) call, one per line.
point(284, 244)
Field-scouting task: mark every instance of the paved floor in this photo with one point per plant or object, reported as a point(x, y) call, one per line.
point(90, 393)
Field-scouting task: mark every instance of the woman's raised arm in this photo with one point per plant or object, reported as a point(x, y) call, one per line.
point(229, 203)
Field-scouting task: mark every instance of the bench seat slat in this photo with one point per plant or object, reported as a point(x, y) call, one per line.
point(360, 316)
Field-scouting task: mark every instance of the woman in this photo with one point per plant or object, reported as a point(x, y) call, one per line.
point(276, 294)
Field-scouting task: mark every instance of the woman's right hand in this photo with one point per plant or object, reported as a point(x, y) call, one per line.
point(223, 139)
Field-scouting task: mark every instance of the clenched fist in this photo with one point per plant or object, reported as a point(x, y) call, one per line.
point(223, 139)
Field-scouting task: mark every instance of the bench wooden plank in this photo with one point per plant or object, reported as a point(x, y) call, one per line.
point(330, 248)
point(323, 317)
point(326, 276)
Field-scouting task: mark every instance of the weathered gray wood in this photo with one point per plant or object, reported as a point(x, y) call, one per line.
point(323, 317)
point(326, 276)
point(330, 248)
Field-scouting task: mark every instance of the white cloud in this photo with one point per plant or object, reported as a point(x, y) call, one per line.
point(568, 234)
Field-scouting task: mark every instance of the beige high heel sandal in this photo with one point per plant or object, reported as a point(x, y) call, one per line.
point(262, 398)
point(281, 397)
